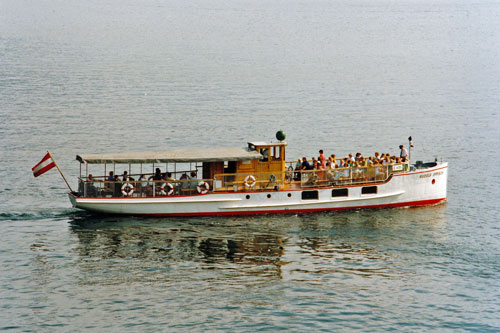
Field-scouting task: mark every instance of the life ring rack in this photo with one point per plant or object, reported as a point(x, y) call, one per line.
point(170, 188)
point(202, 184)
point(130, 188)
point(249, 184)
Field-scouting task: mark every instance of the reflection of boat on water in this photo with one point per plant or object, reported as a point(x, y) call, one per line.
point(290, 247)
point(251, 180)
point(133, 246)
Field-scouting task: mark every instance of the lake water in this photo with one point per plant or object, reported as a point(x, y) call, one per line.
point(343, 76)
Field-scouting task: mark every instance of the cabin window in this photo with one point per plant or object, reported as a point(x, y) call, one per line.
point(340, 192)
point(276, 153)
point(369, 190)
point(310, 195)
point(265, 153)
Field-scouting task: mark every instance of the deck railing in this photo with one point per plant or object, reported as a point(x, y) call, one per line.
point(102, 189)
point(240, 182)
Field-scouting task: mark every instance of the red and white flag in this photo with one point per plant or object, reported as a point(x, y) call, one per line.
point(44, 165)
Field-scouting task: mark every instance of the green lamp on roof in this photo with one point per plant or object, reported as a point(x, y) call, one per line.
point(280, 135)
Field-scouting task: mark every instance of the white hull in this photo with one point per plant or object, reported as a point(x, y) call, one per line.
point(417, 188)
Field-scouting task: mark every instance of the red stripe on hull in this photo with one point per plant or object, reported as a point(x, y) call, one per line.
point(295, 211)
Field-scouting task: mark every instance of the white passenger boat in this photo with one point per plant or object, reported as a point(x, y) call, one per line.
point(252, 180)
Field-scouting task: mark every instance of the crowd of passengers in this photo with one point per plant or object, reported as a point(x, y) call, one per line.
point(350, 161)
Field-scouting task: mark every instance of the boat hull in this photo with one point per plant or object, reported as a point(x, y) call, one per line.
point(417, 188)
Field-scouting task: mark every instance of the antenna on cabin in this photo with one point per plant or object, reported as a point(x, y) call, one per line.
point(280, 135)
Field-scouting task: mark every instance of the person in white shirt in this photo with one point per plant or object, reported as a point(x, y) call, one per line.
point(404, 152)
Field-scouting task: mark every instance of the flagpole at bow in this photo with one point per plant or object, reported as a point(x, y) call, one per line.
point(60, 172)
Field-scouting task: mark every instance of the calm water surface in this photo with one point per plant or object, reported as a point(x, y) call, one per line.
point(343, 76)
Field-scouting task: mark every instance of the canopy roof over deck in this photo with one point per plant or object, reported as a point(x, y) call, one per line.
point(173, 156)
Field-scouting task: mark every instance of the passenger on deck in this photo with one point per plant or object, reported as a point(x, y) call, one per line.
point(168, 177)
point(125, 176)
point(403, 152)
point(305, 164)
point(142, 186)
point(117, 187)
point(143, 180)
point(91, 189)
point(350, 158)
point(194, 181)
point(184, 181)
point(157, 175)
point(298, 165)
point(108, 187)
point(316, 164)
point(333, 162)
point(322, 158)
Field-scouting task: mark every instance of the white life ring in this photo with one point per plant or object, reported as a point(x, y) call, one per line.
point(170, 189)
point(247, 184)
point(200, 184)
point(130, 189)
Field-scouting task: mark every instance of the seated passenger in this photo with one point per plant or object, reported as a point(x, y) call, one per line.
point(91, 189)
point(117, 187)
point(315, 163)
point(298, 165)
point(333, 163)
point(194, 181)
point(157, 175)
point(108, 187)
point(305, 164)
point(184, 181)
